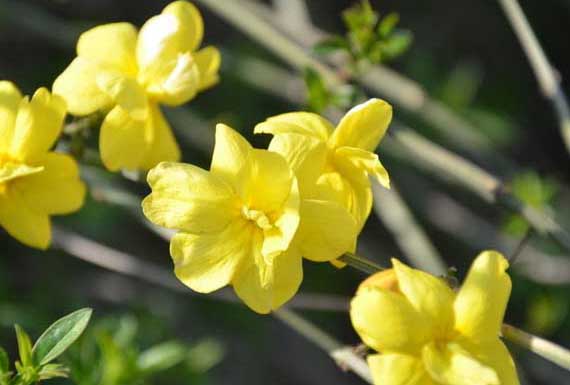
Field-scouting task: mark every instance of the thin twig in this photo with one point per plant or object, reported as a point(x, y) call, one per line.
point(520, 246)
point(546, 75)
point(344, 356)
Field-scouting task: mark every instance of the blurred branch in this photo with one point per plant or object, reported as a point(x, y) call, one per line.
point(391, 208)
point(547, 77)
point(119, 262)
point(445, 164)
point(537, 345)
point(480, 234)
point(344, 356)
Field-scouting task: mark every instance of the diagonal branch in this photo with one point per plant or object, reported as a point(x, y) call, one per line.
point(546, 75)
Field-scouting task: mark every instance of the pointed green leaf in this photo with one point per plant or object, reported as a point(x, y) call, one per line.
point(330, 45)
point(387, 24)
point(162, 357)
point(53, 371)
point(60, 335)
point(397, 44)
point(24, 346)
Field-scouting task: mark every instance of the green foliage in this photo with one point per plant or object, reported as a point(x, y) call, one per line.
point(59, 336)
point(533, 190)
point(111, 353)
point(34, 364)
point(370, 39)
point(320, 96)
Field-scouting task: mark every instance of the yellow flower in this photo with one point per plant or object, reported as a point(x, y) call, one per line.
point(34, 182)
point(129, 73)
point(345, 154)
point(243, 223)
point(427, 334)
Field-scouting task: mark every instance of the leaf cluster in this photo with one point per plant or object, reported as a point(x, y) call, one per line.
point(111, 354)
point(36, 363)
point(370, 38)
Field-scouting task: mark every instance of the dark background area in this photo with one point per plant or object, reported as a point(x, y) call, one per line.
point(450, 37)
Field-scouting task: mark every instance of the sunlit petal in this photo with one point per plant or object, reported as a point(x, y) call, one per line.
point(482, 300)
point(188, 198)
point(363, 126)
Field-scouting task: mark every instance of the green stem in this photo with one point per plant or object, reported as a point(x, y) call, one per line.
point(546, 349)
point(344, 356)
point(360, 263)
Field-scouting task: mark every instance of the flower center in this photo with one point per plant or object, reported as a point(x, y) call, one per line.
point(258, 217)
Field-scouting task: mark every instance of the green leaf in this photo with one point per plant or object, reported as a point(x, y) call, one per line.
point(360, 16)
point(60, 335)
point(397, 44)
point(4, 361)
point(53, 371)
point(162, 357)
point(330, 45)
point(24, 346)
point(318, 96)
point(387, 24)
point(205, 355)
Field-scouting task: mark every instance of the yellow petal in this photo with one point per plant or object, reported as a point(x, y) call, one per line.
point(353, 193)
point(38, 125)
point(495, 355)
point(188, 198)
point(429, 295)
point(397, 369)
point(450, 364)
point(305, 155)
point(208, 262)
point(123, 141)
point(363, 126)
point(208, 60)
point(386, 321)
point(112, 46)
point(366, 161)
point(10, 98)
point(57, 189)
point(304, 123)
point(78, 86)
point(28, 226)
point(163, 146)
point(178, 28)
point(326, 231)
point(10, 171)
point(482, 300)
point(265, 287)
point(278, 238)
point(230, 160)
point(269, 182)
point(164, 53)
point(124, 92)
point(173, 81)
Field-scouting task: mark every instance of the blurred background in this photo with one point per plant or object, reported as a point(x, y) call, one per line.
point(464, 55)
